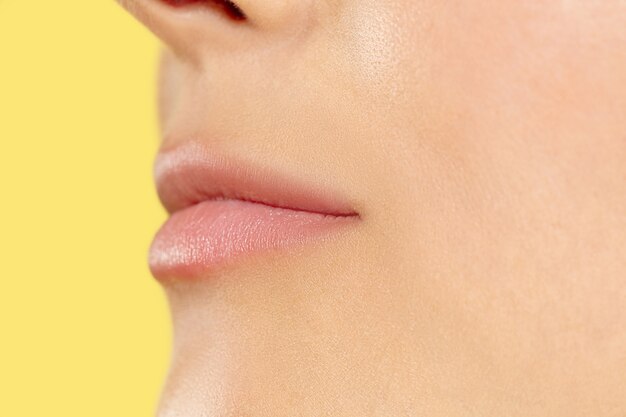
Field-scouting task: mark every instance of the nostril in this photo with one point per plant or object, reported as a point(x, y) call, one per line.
point(225, 6)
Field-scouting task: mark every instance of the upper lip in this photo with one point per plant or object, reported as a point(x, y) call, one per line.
point(191, 173)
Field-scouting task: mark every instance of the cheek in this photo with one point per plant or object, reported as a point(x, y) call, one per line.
point(535, 98)
point(370, 42)
point(514, 140)
point(514, 112)
point(535, 71)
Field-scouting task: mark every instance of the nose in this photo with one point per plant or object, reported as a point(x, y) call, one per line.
point(193, 27)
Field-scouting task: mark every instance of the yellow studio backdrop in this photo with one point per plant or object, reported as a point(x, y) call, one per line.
point(84, 328)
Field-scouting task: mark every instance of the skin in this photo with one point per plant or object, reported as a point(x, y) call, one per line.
point(482, 142)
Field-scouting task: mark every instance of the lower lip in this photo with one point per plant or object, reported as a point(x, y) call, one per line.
point(203, 237)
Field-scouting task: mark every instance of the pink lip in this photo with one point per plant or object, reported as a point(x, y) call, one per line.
point(222, 209)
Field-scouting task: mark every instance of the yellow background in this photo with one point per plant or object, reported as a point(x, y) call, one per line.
point(84, 328)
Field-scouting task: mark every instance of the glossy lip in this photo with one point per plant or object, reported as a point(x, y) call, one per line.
point(221, 208)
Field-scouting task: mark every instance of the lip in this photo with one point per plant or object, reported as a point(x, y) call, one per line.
point(223, 209)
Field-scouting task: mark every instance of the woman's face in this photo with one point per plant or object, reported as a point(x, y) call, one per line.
point(483, 145)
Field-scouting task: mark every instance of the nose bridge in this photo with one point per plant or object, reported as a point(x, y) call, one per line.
point(193, 28)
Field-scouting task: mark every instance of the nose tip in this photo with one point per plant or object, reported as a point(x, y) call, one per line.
point(192, 27)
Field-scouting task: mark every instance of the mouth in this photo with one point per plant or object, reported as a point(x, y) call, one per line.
point(222, 210)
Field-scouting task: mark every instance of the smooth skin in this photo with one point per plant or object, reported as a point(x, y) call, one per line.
point(482, 142)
